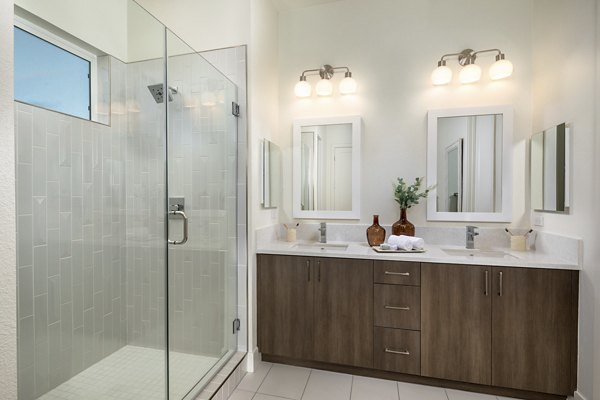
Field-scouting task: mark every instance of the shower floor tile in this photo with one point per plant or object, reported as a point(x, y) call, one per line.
point(134, 373)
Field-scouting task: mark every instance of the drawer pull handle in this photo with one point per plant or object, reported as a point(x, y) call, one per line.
point(397, 308)
point(401, 352)
point(501, 289)
point(397, 273)
point(487, 283)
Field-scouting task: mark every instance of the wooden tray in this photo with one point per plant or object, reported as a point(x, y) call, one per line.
point(378, 249)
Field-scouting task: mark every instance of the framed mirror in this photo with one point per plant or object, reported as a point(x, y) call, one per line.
point(326, 174)
point(270, 157)
point(469, 161)
point(550, 170)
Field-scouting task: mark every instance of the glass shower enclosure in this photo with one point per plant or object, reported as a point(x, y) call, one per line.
point(127, 226)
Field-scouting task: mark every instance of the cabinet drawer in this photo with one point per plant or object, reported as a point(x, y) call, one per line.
point(397, 306)
point(398, 350)
point(397, 273)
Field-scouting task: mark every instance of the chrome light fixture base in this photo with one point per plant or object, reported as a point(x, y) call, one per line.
point(326, 71)
point(466, 57)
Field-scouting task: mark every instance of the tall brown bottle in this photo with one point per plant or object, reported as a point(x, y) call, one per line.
point(375, 233)
point(403, 226)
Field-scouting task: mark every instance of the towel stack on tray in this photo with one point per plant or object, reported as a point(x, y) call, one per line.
point(406, 243)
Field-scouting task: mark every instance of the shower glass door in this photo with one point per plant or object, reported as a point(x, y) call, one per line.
point(202, 201)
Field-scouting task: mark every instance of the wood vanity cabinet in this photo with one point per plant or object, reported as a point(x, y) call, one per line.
point(343, 317)
point(316, 309)
point(286, 298)
point(534, 329)
point(506, 327)
point(505, 331)
point(456, 328)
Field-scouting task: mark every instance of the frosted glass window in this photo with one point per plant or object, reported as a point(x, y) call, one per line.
point(49, 76)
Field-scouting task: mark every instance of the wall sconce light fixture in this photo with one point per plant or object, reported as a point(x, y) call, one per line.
point(324, 87)
point(471, 72)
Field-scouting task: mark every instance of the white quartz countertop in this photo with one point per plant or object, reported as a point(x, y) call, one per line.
point(433, 254)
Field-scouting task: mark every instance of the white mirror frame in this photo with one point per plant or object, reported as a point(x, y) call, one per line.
point(356, 122)
point(507, 151)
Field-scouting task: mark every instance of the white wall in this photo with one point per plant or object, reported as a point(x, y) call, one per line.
point(391, 48)
point(204, 24)
point(596, 272)
point(263, 88)
point(8, 262)
point(562, 92)
point(102, 24)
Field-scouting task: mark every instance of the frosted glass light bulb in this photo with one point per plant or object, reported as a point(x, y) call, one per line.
point(501, 69)
point(348, 86)
point(442, 75)
point(302, 89)
point(470, 74)
point(324, 87)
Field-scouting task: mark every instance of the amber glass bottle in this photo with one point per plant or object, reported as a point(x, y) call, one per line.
point(403, 226)
point(375, 233)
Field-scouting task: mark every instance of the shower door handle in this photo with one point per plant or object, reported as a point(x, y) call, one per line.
point(185, 227)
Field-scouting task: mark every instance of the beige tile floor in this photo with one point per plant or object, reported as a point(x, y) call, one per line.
point(284, 382)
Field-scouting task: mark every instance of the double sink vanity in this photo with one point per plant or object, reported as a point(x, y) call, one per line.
point(487, 319)
point(493, 321)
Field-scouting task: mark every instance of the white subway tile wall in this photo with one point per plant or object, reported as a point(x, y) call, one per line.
point(145, 182)
point(71, 234)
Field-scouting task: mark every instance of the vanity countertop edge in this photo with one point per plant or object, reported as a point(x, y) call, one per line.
point(433, 254)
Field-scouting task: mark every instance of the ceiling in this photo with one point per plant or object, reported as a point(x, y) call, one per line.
point(283, 5)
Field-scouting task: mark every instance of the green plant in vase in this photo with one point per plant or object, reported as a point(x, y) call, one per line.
point(407, 196)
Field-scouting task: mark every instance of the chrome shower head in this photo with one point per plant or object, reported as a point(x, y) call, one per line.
point(157, 92)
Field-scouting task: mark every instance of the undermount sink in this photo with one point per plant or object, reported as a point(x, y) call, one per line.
point(477, 253)
point(323, 246)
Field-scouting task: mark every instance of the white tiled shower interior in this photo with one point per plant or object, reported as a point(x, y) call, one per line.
point(202, 169)
point(79, 182)
point(285, 382)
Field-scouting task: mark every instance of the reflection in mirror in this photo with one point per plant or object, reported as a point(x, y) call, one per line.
point(454, 167)
point(470, 163)
point(550, 169)
point(327, 167)
point(271, 174)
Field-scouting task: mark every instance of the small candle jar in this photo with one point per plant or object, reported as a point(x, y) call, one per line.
point(291, 235)
point(518, 243)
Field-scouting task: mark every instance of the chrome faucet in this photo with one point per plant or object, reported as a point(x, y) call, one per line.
point(323, 230)
point(471, 233)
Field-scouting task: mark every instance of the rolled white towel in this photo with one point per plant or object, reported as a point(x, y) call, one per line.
point(402, 242)
point(417, 243)
point(406, 242)
point(393, 240)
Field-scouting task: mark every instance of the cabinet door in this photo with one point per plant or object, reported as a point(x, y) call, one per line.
point(344, 312)
point(531, 335)
point(456, 322)
point(285, 306)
